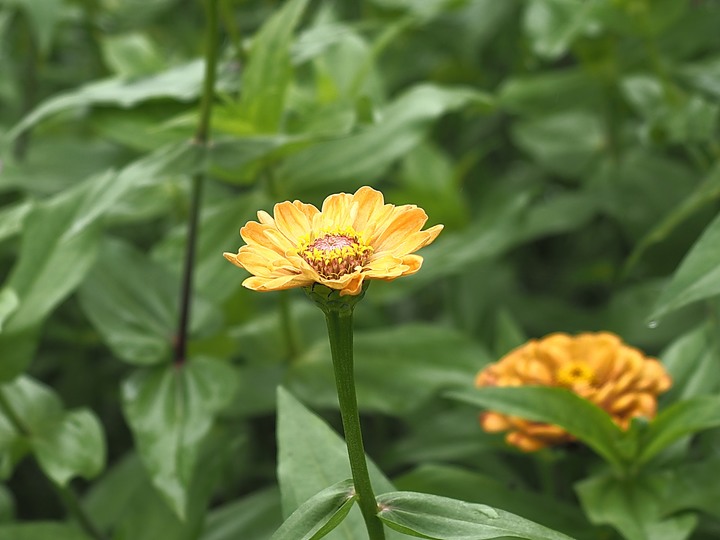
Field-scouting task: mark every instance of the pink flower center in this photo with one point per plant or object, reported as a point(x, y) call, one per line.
point(333, 255)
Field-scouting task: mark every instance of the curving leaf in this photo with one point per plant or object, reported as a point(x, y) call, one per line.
point(557, 406)
point(361, 156)
point(680, 419)
point(440, 518)
point(320, 514)
point(41, 531)
point(170, 410)
point(698, 276)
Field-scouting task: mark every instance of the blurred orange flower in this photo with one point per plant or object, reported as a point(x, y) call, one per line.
point(597, 366)
point(353, 238)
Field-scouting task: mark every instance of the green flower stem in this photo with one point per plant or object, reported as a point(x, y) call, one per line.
point(201, 139)
point(66, 494)
point(340, 332)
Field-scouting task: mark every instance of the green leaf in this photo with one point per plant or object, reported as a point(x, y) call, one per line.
point(508, 334)
point(440, 518)
point(680, 419)
point(567, 143)
point(44, 15)
point(254, 517)
point(41, 531)
point(692, 362)
point(12, 217)
point(181, 83)
point(365, 154)
point(74, 446)
point(557, 406)
point(553, 25)
point(698, 276)
point(467, 485)
point(8, 304)
point(131, 55)
point(54, 257)
point(411, 351)
point(66, 444)
point(133, 302)
point(320, 514)
point(170, 410)
point(311, 456)
point(634, 507)
point(268, 74)
point(690, 488)
point(705, 193)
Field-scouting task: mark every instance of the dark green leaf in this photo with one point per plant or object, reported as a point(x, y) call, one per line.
point(170, 410)
point(365, 154)
point(698, 276)
point(633, 507)
point(417, 356)
point(72, 446)
point(268, 74)
point(680, 419)
point(255, 517)
point(133, 302)
point(320, 514)
point(311, 456)
point(41, 531)
point(181, 83)
point(441, 518)
point(8, 304)
point(557, 406)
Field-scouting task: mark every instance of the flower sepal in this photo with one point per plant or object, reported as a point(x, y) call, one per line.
point(330, 300)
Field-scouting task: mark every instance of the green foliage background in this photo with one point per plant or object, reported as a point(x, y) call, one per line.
point(571, 149)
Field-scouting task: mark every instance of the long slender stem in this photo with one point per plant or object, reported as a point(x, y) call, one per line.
point(340, 332)
point(201, 139)
point(66, 494)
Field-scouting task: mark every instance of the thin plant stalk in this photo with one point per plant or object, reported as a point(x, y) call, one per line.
point(198, 179)
point(65, 493)
point(340, 332)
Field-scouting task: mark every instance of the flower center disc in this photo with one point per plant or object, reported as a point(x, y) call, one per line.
point(335, 254)
point(575, 372)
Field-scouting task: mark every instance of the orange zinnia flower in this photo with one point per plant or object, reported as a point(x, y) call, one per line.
point(355, 237)
point(597, 366)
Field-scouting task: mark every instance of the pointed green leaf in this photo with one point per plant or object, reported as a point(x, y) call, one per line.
point(44, 16)
point(365, 154)
point(8, 304)
point(268, 74)
point(634, 507)
point(181, 83)
point(311, 456)
point(254, 517)
point(557, 406)
point(698, 276)
point(133, 302)
point(440, 518)
point(412, 350)
point(680, 419)
point(170, 410)
point(320, 514)
point(73, 446)
point(41, 531)
point(66, 444)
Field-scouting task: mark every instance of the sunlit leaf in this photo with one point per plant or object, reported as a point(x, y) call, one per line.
point(440, 518)
point(170, 410)
point(320, 514)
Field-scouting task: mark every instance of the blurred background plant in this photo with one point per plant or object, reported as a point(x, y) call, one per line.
point(569, 146)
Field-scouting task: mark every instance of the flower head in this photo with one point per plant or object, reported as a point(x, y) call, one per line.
point(596, 366)
point(353, 238)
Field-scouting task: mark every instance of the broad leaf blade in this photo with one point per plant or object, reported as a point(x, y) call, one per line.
point(441, 518)
point(320, 514)
point(680, 419)
point(170, 410)
point(698, 276)
point(557, 406)
point(269, 72)
point(41, 531)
